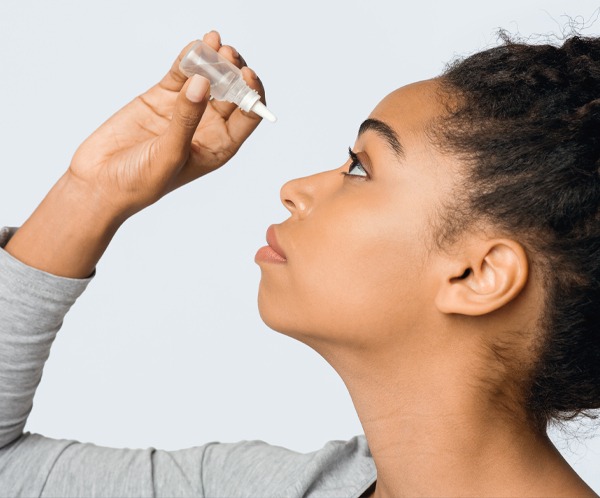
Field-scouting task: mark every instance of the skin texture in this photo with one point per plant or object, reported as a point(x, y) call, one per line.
point(407, 326)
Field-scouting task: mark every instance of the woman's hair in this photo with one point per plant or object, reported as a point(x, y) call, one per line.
point(526, 120)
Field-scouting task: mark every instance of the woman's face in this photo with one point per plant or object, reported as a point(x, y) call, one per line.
point(358, 251)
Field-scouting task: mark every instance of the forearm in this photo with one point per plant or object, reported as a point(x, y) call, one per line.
point(32, 307)
point(65, 237)
point(68, 232)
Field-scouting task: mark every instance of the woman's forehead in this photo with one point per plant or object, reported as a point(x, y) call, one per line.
point(407, 115)
point(411, 107)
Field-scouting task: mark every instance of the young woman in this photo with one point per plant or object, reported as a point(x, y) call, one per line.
point(449, 272)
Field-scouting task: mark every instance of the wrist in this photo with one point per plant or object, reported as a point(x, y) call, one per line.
point(68, 232)
point(97, 203)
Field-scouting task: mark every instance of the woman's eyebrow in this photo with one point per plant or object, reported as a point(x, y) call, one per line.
point(386, 132)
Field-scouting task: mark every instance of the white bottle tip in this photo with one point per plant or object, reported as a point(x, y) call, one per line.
point(260, 109)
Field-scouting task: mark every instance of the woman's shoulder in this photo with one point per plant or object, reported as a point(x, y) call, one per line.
point(258, 468)
point(60, 467)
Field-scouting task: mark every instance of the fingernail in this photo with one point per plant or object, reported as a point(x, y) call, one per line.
point(197, 88)
point(253, 74)
point(235, 53)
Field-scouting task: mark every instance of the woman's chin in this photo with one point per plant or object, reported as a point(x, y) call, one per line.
point(278, 317)
point(269, 313)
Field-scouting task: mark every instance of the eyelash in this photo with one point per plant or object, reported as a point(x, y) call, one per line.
point(355, 164)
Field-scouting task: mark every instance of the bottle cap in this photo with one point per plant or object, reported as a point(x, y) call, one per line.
point(260, 109)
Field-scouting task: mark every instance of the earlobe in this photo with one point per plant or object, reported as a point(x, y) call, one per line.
point(485, 277)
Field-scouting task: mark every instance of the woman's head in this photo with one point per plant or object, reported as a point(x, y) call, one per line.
point(470, 239)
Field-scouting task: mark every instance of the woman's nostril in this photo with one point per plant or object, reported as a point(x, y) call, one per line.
point(289, 204)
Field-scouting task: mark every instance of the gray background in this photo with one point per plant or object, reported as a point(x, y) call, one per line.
point(166, 348)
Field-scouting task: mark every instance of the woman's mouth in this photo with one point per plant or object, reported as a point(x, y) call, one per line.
point(271, 253)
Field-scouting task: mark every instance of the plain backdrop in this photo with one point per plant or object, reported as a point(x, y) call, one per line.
point(166, 348)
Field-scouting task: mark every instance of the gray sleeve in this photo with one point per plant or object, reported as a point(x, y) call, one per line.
point(33, 305)
point(255, 468)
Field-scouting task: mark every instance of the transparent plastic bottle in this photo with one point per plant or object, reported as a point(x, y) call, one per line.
point(226, 81)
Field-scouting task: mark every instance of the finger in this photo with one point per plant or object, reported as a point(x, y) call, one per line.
point(232, 55)
point(189, 108)
point(212, 38)
point(225, 109)
point(254, 82)
point(175, 79)
point(240, 123)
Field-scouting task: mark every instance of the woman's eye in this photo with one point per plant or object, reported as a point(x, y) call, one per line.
point(355, 168)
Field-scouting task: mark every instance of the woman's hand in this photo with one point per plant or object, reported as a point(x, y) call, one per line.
point(166, 137)
point(170, 135)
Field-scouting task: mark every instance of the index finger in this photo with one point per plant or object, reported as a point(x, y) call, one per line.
point(175, 79)
point(241, 124)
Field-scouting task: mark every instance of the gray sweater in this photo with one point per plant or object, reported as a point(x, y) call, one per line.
point(32, 308)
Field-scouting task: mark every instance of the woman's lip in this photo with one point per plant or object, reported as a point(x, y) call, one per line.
point(267, 254)
point(272, 241)
point(273, 252)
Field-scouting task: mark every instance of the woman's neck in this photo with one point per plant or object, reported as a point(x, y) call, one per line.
point(432, 432)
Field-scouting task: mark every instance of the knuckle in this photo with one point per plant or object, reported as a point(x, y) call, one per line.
point(177, 75)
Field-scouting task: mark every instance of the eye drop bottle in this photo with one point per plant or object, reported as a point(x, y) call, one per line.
point(226, 81)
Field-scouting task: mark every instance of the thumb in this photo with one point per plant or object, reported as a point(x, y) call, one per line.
point(189, 108)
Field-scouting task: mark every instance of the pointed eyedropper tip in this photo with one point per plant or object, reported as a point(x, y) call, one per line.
point(260, 109)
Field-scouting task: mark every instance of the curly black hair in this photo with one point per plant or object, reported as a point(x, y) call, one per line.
point(526, 119)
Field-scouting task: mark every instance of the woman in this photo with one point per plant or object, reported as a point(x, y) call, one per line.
point(448, 272)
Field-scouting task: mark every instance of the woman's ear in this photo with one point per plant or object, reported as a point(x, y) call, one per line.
point(483, 278)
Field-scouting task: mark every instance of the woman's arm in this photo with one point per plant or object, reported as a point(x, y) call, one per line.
point(32, 307)
point(161, 140)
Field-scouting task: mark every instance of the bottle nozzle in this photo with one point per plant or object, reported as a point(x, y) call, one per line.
point(260, 109)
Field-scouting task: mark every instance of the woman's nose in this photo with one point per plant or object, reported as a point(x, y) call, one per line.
point(298, 195)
